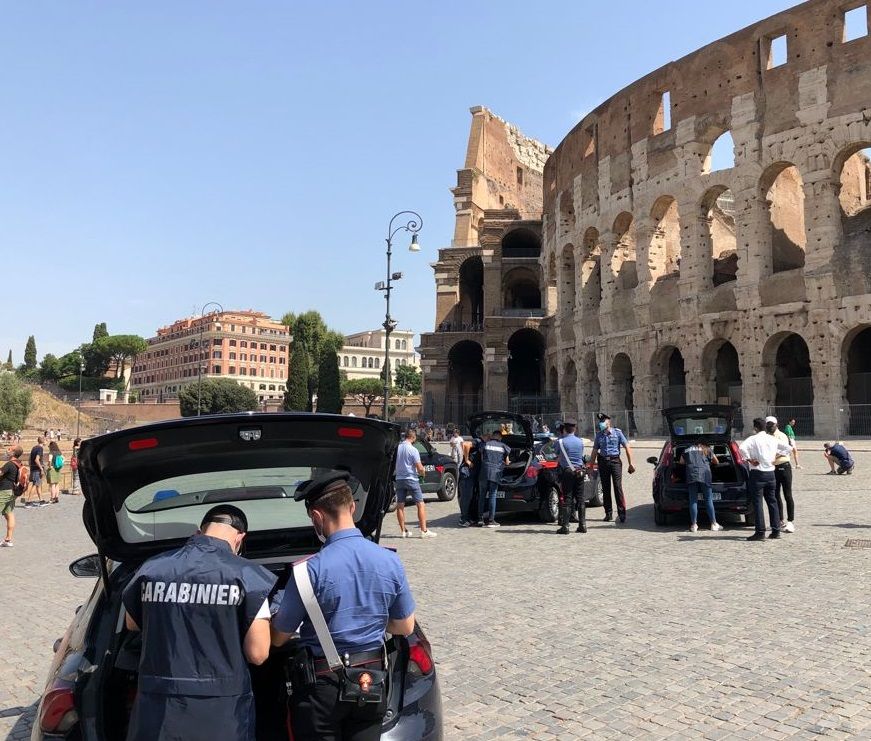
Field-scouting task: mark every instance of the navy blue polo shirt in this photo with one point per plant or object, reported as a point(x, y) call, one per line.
point(608, 442)
point(493, 454)
point(359, 586)
point(194, 605)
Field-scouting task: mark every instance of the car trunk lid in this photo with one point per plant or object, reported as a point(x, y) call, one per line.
point(147, 488)
point(699, 423)
point(516, 429)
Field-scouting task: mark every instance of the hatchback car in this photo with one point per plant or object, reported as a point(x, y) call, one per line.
point(705, 423)
point(529, 481)
point(146, 490)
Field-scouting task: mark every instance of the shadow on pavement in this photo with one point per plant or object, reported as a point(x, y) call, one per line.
point(26, 718)
point(842, 524)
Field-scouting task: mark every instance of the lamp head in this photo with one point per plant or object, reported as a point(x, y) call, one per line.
point(414, 246)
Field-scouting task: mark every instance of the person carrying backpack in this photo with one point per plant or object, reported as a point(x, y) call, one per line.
point(55, 464)
point(10, 487)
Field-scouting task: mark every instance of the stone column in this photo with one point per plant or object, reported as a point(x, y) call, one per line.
point(495, 376)
point(753, 236)
point(828, 381)
point(696, 260)
point(647, 272)
point(823, 227)
point(610, 243)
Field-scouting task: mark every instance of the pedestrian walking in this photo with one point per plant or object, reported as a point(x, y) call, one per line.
point(74, 464)
point(37, 471)
point(408, 473)
point(839, 458)
point(698, 459)
point(783, 479)
point(9, 489)
point(467, 471)
point(570, 466)
point(194, 681)
point(606, 452)
point(789, 431)
point(355, 591)
point(760, 450)
point(494, 458)
point(55, 464)
point(456, 446)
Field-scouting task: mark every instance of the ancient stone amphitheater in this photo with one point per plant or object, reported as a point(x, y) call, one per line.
point(705, 237)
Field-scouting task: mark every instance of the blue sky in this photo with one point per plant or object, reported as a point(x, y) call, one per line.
point(158, 155)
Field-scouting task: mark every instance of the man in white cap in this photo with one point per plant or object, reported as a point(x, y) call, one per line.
point(782, 478)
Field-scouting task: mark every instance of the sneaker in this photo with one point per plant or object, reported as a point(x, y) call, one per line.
point(716, 526)
point(491, 524)
point(7, 544)
point(29, 505)
point(789, 527)
point(757, 536)
point(694, 528)
point(465, 523)
point(563, 531)
point(607, 517)
point(42, 503)
point(427, 534)
point(831, 473)
point(405, 534)
point(582, 528)
point(774, 535)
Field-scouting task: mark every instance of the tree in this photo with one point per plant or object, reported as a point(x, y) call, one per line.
point(16, 402)
point(329, 384)
point(70, 363)
point(365, 391)
point(296, 398)
point(49, 369)
point(408, 380)
point(30, 354)
point(9, 365)
point(310, 336)
point(99, 331)
point(120, 348)
point(218, 396)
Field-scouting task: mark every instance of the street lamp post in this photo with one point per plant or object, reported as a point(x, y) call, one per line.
point(200, 366)
point(413, 226)
point(79, 405)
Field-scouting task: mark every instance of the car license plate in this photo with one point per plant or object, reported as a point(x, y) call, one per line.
point(716, 496)
point(501, 494)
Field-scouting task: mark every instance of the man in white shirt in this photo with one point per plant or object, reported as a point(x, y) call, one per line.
point(760, 450)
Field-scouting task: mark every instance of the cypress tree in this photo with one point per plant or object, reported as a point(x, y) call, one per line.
point(9, 365)
point(329, 385)
point(296, 398)
point(30, 353)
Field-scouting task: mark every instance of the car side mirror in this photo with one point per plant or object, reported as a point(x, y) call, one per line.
point(86, 567)
point(652, 460)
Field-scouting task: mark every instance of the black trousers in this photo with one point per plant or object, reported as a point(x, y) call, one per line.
point(317, 715)
point(783, 480)
point(572, 485)
point(611, 469)
point(762, 488)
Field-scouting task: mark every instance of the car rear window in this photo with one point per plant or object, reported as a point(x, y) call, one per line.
point(699, 426)
point(173, 507)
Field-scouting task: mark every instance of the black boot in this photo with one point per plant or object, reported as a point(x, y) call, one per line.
point(563, 530)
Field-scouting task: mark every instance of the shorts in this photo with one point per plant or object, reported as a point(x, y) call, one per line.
point(846, 467)
point(408, 488)
point(36, 477)
point(7, 502)
point(53, 475)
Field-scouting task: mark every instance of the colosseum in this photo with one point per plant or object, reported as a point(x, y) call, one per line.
point(704, 235)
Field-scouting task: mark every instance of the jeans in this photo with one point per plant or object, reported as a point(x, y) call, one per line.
point(694, 488)
point(571, 498)
point(783, 480)
point(467, 488)
point(611, 469)
point(762, 487)
point(488, 493)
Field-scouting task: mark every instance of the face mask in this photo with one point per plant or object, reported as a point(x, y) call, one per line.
point(602, 426)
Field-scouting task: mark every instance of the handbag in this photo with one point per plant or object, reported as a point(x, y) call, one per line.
point(359, 686)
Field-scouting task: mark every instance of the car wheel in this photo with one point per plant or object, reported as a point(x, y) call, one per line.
point(548, 506)
point(392, 506)
point(448, 489)
point(659, 517)
point(596, 500)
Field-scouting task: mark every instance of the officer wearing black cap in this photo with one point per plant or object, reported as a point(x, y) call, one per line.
point(571, 476)
point(204, 614)
point(606, 451)
point(362, 590)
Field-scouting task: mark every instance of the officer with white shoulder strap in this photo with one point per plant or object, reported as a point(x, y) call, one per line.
point(342, 600)
point(571, 476)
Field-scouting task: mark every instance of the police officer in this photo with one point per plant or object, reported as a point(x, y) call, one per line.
point(606, 450)
point(362, 591)
point(494, 457)
point(571, 476)
point(204, 613)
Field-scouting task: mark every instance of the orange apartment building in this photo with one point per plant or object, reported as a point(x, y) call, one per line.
point(248, 347)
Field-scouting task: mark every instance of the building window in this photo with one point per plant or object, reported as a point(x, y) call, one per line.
point(216, 355)
point(243, 371)
point(272, 348)
point(281, 361)
point(216, 369)
point(855, 23)
point(354, 362)
point(243, 343)
point(233, 342)
point(216, 342)
point(232, 370)
point(774, 51)
point(377, 362)
point(272, 387)
point(271, 358)
point(345, 361)
point(261, 387)
point(262, 358)
point(405, 344)
point(262, 345)
point(397, 345)
point(232, 356)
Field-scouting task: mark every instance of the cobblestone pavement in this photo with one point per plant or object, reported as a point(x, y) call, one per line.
point(628, 631)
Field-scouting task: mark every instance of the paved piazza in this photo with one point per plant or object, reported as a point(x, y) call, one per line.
point(628, 631)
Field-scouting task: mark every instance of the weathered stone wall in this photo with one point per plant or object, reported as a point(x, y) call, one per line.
point(803, 261)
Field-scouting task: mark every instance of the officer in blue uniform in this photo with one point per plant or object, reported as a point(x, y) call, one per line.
point(362, 591)
point(204, 614)
point(570, 465)
point(606, 451)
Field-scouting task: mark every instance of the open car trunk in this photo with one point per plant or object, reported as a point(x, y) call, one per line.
point(725, 472)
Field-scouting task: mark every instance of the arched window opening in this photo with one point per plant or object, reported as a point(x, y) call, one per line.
point(567, 298)
point(465, 380)
point(377, 362)
point(624, 264)
point(591, 390)
point(858, 362)
point(396, 345)
point(568, 391)
point(520, 243)
point(623, 393)
point(354, 362)
point(664, 257)
point(668, 368)
point(520, 290)
point(793, 382)
point(718, 213)
point(721, 155)
point(785, 198)
point(468, 315)
point(525, 362)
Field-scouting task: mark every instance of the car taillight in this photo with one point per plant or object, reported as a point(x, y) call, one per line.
point(736, 453)
point(667, 455)
point(532, 472)
point(420, 657)
point(58, 713)
point(440, 469)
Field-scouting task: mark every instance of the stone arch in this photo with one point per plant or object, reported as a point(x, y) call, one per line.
point(624, 260)
point(721, 155)
point(591, 389)
point(470, 310)
point(664, 251)
point(782, 188)
point(464, 394)
point(551, 287)
point(521, 242)
point(623, 392)
point(520, 289)
point(567, 272)
point(568, 391)
point(856, 364)
point(553, 380)
point(851, 257)
point(722, 367)
point(720, 242)
point(788, 378)
point(591, 280)
point(526, 349)
point(567, 215)
point(668, 370)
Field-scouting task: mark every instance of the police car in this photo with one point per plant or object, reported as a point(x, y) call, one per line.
point(146, 490)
